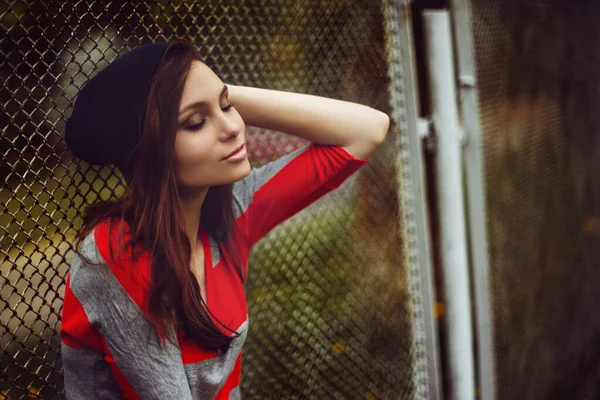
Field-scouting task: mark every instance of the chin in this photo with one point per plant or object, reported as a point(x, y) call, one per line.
point(244, 171)
point(226, 177)
point(237, 174)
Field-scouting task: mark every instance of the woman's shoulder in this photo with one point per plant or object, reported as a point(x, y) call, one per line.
point(109, 242)
point(100, 235)
point(108, 246)
point(106, 281)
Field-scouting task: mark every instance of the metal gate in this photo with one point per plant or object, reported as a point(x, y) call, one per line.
point(339, 304)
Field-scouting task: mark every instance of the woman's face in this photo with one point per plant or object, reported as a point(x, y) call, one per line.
point(209, 130)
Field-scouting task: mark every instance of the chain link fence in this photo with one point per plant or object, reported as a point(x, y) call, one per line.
point(333, 298)
point(539, 81)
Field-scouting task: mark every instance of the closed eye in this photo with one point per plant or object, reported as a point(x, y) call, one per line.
point(199, 125)
point(195, 127)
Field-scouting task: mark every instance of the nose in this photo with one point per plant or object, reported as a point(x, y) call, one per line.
point(230, 127)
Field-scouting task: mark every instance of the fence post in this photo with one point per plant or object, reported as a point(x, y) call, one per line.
point(405, 111)
point(449, 181)
point(474, 172)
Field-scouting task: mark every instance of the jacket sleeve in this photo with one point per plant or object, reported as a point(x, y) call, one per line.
point(274, 192)
point(108, 346)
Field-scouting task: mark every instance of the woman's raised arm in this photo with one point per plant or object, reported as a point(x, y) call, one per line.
point(358, 129)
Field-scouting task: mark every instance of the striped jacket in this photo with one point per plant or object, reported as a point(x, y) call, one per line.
point(107, 349)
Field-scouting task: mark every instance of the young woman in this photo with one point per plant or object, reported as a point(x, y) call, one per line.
point(154, 306)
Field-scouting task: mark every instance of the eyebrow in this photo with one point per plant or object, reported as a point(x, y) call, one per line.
point(202, 103)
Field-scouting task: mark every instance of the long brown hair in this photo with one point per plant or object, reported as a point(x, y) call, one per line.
point(151, 209)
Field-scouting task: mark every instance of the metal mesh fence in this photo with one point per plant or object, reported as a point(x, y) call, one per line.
point(539, 81)
point(331, 313)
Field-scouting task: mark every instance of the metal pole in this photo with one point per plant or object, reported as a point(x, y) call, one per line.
point(453, 238)
point(474, 171)
point(404, 105)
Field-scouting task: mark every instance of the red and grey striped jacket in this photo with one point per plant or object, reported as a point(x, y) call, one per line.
point(107, 349)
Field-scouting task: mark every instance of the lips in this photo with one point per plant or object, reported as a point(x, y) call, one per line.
point(233, 152)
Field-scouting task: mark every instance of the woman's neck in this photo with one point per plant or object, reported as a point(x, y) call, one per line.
point(191, 204)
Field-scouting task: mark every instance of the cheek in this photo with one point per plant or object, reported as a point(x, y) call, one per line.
point(189, 148)
point(191, 152)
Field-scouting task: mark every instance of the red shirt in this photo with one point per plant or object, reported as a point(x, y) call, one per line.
point(108, 349)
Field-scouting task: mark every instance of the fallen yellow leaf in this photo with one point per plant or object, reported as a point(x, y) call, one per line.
point(338, 346)
point(372, 395)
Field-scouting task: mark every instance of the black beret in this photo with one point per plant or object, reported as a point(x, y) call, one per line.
point(105, 125)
